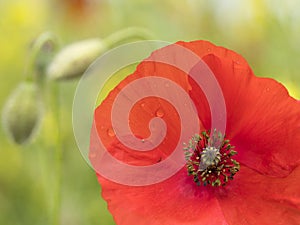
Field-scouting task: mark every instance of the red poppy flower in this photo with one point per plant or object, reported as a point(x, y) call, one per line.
point(258, 185)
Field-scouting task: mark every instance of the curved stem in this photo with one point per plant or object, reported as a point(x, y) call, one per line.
point(36, 48)
point(124, 35)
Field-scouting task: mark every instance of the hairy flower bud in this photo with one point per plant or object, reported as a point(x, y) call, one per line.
point(22, 113)
point(75, 58)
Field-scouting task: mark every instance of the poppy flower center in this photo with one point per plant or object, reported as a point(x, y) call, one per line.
point(209, 159)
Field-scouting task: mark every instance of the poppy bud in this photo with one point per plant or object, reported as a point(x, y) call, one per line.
point(75, 58)
point(22, 112)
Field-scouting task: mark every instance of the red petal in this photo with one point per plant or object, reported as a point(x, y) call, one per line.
point(143, 111)
point(176, 201)
point(140, 115)
point(250, 199)
point(256, 199)
point(263, 121)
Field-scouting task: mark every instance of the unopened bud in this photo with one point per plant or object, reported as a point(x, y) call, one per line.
point(22, 112)
point(74, 59)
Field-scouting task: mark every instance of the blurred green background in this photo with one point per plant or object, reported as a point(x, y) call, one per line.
point(265, 32)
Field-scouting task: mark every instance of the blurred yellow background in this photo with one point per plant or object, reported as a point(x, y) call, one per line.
point(265, 32)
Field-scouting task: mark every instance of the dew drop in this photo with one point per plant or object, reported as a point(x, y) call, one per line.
point(110, 132)
point(167, 85)
point(143, 104)
point(160, 113)
point(266, 90)
point(208, 49)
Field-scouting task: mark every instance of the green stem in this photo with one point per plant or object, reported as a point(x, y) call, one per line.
point(57, 189)
point(123, 36)
point(36, 48)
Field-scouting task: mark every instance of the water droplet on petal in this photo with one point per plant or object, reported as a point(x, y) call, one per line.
point(160, 113)
point(266, 90)
point(167, 84)
point(110, 132)
point(208, 49)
